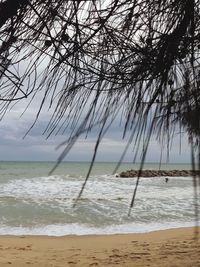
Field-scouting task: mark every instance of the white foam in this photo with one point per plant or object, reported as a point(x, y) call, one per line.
point(105, 201)
point(77, 229)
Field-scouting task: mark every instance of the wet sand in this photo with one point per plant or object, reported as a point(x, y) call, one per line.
point(172, 248)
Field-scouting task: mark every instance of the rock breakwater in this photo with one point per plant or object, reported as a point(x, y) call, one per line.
point(158, 173)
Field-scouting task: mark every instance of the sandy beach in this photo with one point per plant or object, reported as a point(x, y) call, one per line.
point(176, 247)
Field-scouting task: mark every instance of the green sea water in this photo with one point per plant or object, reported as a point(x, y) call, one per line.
point(76, 169)
point(34, 202)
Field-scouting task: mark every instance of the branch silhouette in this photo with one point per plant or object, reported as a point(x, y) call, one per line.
point(105, 54)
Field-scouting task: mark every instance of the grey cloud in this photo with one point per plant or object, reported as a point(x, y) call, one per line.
point(36, 147)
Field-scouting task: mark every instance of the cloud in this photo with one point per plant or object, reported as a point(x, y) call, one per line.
point(13, 127)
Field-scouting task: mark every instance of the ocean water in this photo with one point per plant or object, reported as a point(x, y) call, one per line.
point(33, 202)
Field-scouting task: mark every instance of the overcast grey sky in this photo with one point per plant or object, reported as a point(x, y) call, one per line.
point(36, 147)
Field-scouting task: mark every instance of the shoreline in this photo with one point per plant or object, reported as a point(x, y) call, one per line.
point(60, 230)
point(166, 248)
point(148, 233)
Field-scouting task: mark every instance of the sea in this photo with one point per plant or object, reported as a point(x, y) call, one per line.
point(34, 202)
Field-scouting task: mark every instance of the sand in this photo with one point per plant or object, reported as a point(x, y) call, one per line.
point(173, 248)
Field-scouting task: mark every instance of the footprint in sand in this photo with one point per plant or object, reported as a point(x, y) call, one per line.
point(115, 250)
point(116, 256)
point(72, 262)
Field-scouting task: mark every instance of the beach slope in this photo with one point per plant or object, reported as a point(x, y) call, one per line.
point(173, 248)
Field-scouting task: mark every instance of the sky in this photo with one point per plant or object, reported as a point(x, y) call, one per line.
point(35, 147)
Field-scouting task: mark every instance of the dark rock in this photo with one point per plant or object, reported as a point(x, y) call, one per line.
point(157, 173)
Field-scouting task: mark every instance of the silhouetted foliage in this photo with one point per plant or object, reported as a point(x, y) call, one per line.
point(93, 59)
